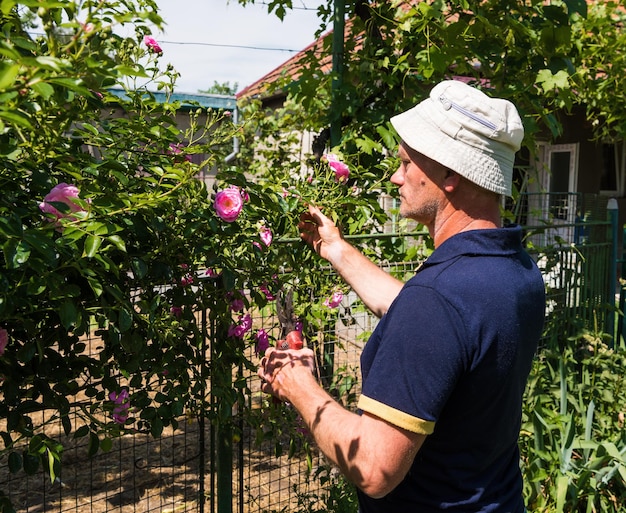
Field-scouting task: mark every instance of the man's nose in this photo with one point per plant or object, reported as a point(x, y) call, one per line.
point(396, 178)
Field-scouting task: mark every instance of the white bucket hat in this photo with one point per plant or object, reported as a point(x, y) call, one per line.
point(467, 131)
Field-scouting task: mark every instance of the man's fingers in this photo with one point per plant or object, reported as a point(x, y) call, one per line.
point(317, 215)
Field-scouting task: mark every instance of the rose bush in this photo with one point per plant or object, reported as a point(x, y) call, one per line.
point(106, 235)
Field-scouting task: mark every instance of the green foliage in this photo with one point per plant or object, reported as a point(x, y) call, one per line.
point(223, 88)
point(543, 57)
point(112, 268)
point(100, 301)
point(100, 298)
point(573, 440)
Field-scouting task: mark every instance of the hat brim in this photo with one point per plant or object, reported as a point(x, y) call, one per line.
point(418, 130)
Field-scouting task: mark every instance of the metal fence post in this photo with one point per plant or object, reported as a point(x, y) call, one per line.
point(613, 211)
point(221, 434)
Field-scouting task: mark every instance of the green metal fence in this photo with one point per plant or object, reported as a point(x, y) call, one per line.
point(251, 462)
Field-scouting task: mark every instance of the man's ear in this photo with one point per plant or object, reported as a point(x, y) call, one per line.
point(451, 181)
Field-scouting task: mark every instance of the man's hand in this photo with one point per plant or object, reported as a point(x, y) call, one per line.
point(282, 372)
point(319, 232)
point(376, 288)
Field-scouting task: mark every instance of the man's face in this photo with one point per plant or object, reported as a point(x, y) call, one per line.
point(419, 182)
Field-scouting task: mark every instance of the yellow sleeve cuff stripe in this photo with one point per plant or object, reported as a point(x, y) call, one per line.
point(396, 417)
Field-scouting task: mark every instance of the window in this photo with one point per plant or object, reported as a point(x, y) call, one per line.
point(613, 168)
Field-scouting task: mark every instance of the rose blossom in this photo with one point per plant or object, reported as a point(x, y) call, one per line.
point(236, 303)
point(262, 341)
point(335, 300)
point(152, 44)
point(241, 328)
point(120, 410)
point(4, 340)
point(342, 171)
point(266, 291)
point(266, 235)
point(186, 280)
point(61, 193)
point(228, 204)
point(177, 149)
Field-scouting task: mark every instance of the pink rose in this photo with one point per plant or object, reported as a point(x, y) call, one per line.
point(228, 204)
point(152, 44)
point(120, 410)
point(186, 280)
point(335, 300)
point(176, 311)
point(262, 341)
point(4, 340)
point(241, 328)
point(266, 235)
point(266, 291)
point(61, 193)
point(342, 171)
point(177, 149)
point(236, 302)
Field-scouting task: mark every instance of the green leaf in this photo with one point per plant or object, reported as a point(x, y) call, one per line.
point(94, 444)
point(140, 269)
point(96, 286)
point(48, 62)
point(42, 244)
point(125, 320)
point(81, 431)
point(118, 242)
point(561, 493)
point(11, 225)
point(550, 82)
point(51, 460)
point(90, 128)
point(31, 463)
point(15, 462)
point(8, 74)
point(577, 6)
point(68, 314)
point(67, 424)
point(130, 71)
point(92, 244)
point(16, 118)
point(106, 444)
point(16, 253)
point(156, 427)
point(44, 90)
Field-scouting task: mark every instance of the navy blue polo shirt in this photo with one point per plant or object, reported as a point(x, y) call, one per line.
point(450, 359)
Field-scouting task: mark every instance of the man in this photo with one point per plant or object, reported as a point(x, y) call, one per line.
point(445, 369)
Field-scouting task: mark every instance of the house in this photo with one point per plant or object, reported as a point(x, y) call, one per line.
point(190, 102)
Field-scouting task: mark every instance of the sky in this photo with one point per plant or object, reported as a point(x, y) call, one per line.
point(210, 41)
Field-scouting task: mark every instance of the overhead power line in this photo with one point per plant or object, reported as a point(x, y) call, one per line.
point(217, 45)
point(221, 45)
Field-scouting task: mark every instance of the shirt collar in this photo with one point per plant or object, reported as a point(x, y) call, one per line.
point(493, 241)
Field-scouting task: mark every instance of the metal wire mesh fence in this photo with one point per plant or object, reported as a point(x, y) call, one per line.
point(260, 459)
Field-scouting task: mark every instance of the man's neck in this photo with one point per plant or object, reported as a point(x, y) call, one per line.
point(457, 221)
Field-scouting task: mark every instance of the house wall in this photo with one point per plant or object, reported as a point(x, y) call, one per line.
point(576, 129)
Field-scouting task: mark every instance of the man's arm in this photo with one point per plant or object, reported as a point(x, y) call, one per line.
point(376, 288)
point(370, 452)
